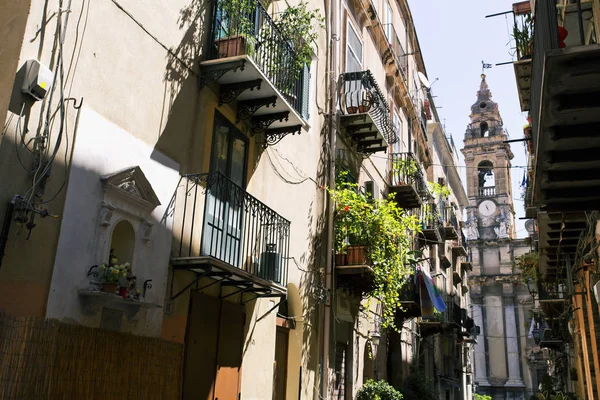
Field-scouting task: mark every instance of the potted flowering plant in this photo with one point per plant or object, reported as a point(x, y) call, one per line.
point(112, 273)
point(352, 216)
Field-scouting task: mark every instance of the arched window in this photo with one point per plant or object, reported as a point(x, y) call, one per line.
point(122, 242)
point(484, 128)
point(486, 174)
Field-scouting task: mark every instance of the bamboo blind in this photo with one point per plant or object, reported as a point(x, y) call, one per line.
point(47, 359)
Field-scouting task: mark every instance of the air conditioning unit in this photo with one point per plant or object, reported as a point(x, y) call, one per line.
point(270, 264)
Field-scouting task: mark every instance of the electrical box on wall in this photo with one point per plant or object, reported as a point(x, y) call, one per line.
point(38, 79)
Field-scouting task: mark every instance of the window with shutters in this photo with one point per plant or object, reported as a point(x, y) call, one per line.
point(354, 50)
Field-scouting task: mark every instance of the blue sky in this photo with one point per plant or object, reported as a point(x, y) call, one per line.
point(455, 37)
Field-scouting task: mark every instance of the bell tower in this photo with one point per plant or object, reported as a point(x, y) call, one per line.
point(490, 214)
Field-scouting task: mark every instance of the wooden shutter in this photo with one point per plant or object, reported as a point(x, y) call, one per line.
point(201, 347)
point(231, 341)
point(306, 91)
point(281, 361)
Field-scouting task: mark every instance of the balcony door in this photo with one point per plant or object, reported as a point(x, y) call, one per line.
point(223, 217)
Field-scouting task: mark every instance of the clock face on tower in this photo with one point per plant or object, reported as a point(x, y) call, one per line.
point(487, 208)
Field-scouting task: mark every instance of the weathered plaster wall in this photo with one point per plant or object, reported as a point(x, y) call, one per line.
point(104, 148)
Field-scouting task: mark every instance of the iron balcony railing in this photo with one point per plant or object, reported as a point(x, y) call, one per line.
point(221, 220)
point(430, 217)
point(400, 56)
point(407, 171)
point(246, 28)
point(359, 92)
point(489, 191)
point(449, 218)
point(553, 290)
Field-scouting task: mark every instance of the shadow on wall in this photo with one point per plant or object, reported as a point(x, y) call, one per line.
point(180, 135)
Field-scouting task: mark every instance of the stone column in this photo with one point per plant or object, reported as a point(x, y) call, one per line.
point(481, 374)
point(512, 341)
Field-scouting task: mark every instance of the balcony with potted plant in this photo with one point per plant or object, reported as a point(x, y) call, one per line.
point(373, 241)
point(451, 227)
point(431, 223)
point(406, 181)
point(523, 37)
point(262, 64)
point(364, 112)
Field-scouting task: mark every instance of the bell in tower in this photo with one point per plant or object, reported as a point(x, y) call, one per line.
point(487, 157)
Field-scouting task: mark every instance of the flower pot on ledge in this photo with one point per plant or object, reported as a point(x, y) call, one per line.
point(110, 287)
point(357, 255)
point(340, 259)
point(231, 46)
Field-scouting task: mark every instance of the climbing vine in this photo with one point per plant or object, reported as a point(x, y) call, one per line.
point(387, 232)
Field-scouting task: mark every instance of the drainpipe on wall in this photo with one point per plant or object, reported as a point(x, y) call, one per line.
point(333, 20)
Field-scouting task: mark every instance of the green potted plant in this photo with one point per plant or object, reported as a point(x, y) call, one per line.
point(523, 35)
point(352, 214)
point(235, 27)
point(288, 47)
point(404, 169)
point(112, 272)
point(378, 233)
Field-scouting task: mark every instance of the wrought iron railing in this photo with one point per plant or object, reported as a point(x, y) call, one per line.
point(400, 56)
point(407, 171)
point(489, 191)
point(221, 220)
point(409, 291)
point(430, 217)
point(553, 290)
point(449, 218)
point(246, 28)
point(359, 93)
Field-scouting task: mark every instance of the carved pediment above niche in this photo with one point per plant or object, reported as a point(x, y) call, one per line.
point(132, 186)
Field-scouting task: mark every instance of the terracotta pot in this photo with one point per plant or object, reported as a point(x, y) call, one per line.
point(352, 109)
point(231, 46)
point(363, 108)
point(340, 259)
point(357, 255)
point(108, 287)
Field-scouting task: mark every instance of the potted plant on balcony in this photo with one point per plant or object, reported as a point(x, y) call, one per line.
point(235, 27)
point(523, 36)
point(352, 217)
point(404, 169)
point(285, 49)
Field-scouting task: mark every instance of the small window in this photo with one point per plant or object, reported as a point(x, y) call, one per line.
point(398, 147)
point(354, 50)
point(484, 129)
point(389, 28)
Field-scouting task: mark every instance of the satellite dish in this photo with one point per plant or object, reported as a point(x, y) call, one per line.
point(530, 226)
point(423, 79)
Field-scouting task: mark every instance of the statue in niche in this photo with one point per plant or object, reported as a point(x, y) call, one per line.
point(503, 225)
point(472, 227)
